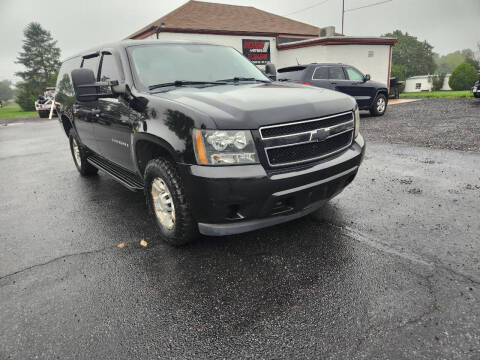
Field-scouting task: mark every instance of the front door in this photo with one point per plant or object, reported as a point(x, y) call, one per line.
point(116, 120)
point(84, 114)
point(338, 79)
point(360, 89)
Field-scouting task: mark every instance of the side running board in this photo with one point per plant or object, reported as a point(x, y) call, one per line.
point(123, 176)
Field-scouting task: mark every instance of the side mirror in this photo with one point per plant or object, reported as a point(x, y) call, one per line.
point(84, 85)
point(366, 77)
point(271, 71)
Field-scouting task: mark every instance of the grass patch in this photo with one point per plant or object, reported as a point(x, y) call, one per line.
point(11, 111)
point(438, 94)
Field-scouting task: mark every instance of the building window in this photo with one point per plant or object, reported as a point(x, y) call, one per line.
point(418, 86)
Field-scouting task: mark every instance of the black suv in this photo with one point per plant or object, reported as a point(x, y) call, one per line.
point(370, 95)
point(217, 147)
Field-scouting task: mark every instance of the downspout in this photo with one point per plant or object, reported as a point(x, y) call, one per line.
point(389, 68)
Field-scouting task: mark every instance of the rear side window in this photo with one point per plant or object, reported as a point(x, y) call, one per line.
point(92, 64)
point(295, 73)
point(320, 73)
point(336, 73)
point(109, 70)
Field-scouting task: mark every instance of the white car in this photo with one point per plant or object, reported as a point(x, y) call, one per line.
point(44, 102)
point(476, 89)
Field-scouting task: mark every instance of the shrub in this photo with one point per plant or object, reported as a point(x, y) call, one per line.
point(463, 77)
point(437, 83)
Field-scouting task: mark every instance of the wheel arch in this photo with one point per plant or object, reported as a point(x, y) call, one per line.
point(67, 124)
point(148, 147)
point(383, 91)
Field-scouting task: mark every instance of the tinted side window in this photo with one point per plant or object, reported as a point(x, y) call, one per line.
point(336, 73)
point(320, 73)
point(295, 73)
point(353, 74)
point(109, 70)
point(92, 64)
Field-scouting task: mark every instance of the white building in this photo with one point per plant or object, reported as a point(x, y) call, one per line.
point(265, 37)
point(424, 83)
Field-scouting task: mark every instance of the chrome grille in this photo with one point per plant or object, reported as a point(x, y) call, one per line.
point(308, 140)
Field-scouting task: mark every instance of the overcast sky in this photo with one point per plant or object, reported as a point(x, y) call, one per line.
point(448, 25)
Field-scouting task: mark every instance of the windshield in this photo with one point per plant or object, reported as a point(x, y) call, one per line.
point(167, 63)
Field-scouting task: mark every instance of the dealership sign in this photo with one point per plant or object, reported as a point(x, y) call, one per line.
point(257, 51)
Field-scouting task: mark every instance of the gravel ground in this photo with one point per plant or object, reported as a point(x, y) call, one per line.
point(435, 123)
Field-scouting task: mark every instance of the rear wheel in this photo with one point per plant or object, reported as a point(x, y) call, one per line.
point(168, 204)
point(379, 105)
point(79, 155)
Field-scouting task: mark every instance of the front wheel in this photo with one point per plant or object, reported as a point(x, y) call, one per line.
point(168, 204)
point(79, 155)
point(379, 105)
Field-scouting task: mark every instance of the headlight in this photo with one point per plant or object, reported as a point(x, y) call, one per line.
point(224, 147)
point(357, 122)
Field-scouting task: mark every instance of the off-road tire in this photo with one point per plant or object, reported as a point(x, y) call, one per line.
point(374, 108)
point(84, 168)
point(185, 229)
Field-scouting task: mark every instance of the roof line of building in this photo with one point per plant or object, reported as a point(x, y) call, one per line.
point(153, 30)
point(338, 40)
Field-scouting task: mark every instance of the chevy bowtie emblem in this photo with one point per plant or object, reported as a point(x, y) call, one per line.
point(319, 134)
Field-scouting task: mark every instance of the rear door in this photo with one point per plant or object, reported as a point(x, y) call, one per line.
point(116, 120)
point(84, 116)
point(320, 78)
point(338, 79)
point(360, 89)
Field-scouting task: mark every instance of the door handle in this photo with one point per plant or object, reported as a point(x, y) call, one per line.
point(333, 83)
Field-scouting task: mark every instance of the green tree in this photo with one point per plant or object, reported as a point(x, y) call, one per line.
point(463, 77)
point(398, 71)
point(6, 91)
point(447, 63)
point(415, 56)
point(41, 58)
point(437, 82)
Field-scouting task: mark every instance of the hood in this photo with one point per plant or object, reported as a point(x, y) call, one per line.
point(377, 85)
point(249, 106)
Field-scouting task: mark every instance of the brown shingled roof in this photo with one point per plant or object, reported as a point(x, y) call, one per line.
point(205, 17)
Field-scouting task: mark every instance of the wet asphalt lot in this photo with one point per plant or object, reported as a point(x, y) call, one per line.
point(388, 270)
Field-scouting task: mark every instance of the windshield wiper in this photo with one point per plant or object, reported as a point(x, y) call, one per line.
point(238, 79)
point(185, 83)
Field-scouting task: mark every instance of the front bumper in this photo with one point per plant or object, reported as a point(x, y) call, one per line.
point(235, 199)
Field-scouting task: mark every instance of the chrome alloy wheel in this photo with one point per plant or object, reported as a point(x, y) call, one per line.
point(76, 153)
point(163, 203)
point(381, 105)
